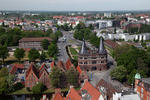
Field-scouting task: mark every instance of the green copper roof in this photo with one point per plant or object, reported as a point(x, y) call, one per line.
point(137, 76)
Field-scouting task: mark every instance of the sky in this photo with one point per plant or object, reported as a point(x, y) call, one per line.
point(74, 5)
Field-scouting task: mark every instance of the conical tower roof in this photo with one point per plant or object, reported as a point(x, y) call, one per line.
point(83, 49)
point(101, 49)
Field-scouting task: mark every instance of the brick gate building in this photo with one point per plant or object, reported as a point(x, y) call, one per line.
point(90, 60)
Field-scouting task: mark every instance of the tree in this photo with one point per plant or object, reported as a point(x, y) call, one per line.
point(52, 50)
point(57, 78)
point(33, 55)
point(18, 86)
point(2, 30)
point(4, 72)
point(81, 25)
point(58, 33)
point(54, 37)
point(49, 31)
point(3, 85)
point(45, 44)
point(72, 77)
point(3, 53)
point(119, 73)
point(38, 88)
point(43, 56)
point(11, 81)
point(19, 54)
point(148, 49)
point(130, 77)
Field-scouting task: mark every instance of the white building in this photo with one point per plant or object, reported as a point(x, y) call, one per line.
point(104, 23)
point(120, 96)
point(148, 20)
point(144, 36)
point(108, 15)
point(125, 36)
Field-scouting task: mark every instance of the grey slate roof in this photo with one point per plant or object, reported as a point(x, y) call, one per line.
point(101, 49)
point(83, 50)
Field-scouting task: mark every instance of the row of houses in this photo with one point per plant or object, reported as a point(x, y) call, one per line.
point(106, 91)
point(125, 36)
point(31, 75)
point(102, 91)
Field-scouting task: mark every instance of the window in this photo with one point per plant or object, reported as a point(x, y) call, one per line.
point(102, 57)
point(93, 57)
point(81, 58)
point(85, 62)
point(102, 62)
point(93, 62)
point(85, 58)
point(81, 63)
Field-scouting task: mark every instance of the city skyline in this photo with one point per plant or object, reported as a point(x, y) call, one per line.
point(75, 5)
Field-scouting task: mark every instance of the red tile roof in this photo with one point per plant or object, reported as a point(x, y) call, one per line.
point(111, 44)
point(52, 64)
point(32, 68)
point(39, 39)
point(68, 64)
point(73, 95)
point(58, 96)
point(79, 69)
point(15, 67)
point(110, 90)
point(42, 69)
point(94, 93)
point(60, 64)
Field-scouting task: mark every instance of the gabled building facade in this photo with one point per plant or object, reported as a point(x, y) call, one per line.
point(34, 76)
point(142, 87)
point(90, 60)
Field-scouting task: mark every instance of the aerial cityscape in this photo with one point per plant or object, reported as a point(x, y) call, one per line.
point(75, 50)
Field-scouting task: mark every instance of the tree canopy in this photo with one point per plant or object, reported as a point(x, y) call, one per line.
point(72, 77)
point(38, 88)
point(52, 50)
point(57, 78)
point(45, 44)
point(119, 73)
point(33, 54)
point(19, 54)
point(3, 53)
point(133, 59)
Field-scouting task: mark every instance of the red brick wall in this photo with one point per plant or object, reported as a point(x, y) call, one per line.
point(31, 80)
point(44, 78)
point(145, 95)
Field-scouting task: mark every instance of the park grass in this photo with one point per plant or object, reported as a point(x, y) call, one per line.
point(51, 90)
point(73, 51)
point(109, 49)
point(21, 91)
point(75, 57)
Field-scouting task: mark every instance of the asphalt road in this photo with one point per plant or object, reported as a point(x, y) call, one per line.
point(96, 75)
point(62, 45)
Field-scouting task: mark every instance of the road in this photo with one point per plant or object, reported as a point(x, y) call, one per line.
point(62, 45)
point(97, 75)
point(70, 40)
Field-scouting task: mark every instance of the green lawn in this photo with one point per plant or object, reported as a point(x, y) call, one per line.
point(22, 91)
point(73, 51)
point(52, 90)
point(109, 49)
point(75, 57)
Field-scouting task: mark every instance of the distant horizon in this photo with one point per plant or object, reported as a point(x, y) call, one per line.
point(78, 10)
point(74, 5)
